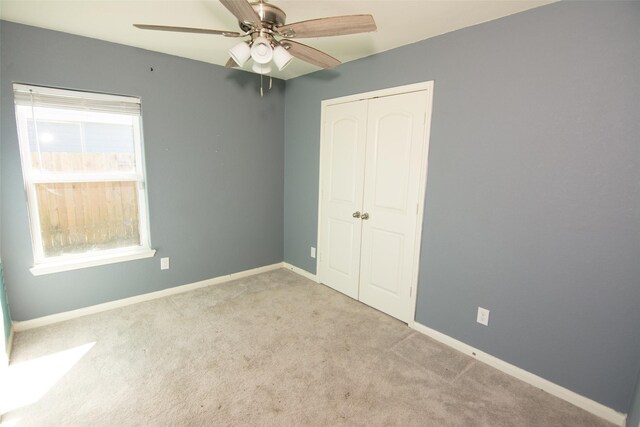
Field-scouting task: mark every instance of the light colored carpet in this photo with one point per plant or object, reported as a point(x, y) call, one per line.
point(271, 349)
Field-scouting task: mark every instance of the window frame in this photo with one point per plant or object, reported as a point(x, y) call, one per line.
point(45, 265)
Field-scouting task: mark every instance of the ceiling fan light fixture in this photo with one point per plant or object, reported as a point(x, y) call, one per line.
point(261, 68)
point(240, 53)
point(281, 57)
point(261, 50)
point(270, 45)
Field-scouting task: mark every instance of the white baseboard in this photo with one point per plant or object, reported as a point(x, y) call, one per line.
point(574, 398)
point(68, 315)
point(301, 272)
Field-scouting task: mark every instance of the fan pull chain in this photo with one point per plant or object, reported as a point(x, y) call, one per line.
point(261, 91)
point(262, 85)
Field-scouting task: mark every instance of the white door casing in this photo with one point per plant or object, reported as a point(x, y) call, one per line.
point(388, 255)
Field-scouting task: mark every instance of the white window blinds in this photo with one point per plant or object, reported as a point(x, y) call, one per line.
point(37, 96)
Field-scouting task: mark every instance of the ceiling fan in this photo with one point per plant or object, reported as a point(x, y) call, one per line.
point(270, 37)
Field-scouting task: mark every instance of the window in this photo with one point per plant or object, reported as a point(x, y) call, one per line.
point(84, 177)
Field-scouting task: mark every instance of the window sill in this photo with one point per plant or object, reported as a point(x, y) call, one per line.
point(91, 261)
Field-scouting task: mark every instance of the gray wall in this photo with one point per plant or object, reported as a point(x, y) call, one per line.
point(215, 183)
point(532, 203)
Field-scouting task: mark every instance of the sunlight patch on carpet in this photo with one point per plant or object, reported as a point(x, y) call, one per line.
point(26, 383)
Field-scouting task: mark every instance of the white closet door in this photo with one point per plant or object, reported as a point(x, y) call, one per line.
point(342, 173)
point(394, 152)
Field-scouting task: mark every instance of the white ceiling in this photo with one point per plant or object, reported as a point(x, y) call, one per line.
point(399, 22)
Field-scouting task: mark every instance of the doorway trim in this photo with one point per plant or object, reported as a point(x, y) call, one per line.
point(398, 90)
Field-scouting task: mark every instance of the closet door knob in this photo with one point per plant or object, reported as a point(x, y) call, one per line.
point(356, 214)
point(365, 216)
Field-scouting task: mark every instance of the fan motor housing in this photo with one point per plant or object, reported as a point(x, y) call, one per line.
point(270, 15)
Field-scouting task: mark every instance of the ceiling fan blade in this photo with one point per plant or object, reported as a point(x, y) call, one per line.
point(309, 54)
point(231, 63)
point(333, 26)
point(242, 10)
point(187, 30)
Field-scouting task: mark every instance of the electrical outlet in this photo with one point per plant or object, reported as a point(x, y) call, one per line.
point(483, 316)
point(313, 252)
point(164, 263)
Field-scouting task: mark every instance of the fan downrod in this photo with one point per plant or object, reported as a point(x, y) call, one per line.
point(270, 15)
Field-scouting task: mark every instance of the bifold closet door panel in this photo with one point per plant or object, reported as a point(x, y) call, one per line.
point(394, 152)
point(342, 175)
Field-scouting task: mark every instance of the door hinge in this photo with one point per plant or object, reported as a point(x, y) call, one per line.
point(410, 291)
